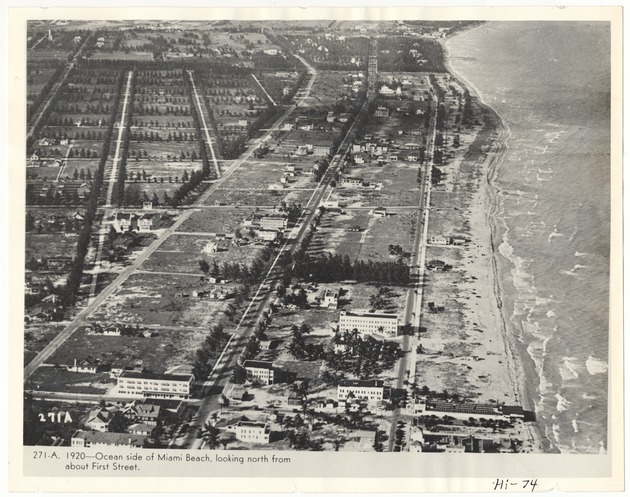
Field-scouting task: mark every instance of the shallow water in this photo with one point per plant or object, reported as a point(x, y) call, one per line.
point(549, 82)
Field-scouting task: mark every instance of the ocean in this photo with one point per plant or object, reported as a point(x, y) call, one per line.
point(550, 84)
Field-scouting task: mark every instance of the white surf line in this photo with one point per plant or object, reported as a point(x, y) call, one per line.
point(65, 160)
point(263, 89)
point(205, 124)
point(116, 160)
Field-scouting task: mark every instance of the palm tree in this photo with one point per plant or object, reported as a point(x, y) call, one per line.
point(210, 435)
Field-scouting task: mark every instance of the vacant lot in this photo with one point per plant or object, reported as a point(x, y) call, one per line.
point(372, 242)
point(219, 220)
point(187, 261)
point(150, 299)
point(51, 379)
point(246, 197)
point(159, 353)
point(254, 176)
point(45, 246)
point(162, 151)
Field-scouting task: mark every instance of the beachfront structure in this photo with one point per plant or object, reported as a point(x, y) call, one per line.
point(165, 386)
point(383, 323)
point(261, 371)
point(251, 431)
point(370, 390)
point(465, 410)
point(86, 439)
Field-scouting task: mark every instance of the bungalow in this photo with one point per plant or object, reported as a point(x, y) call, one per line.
point(140, 429)
point(358, 147)
point(99, 419)
point(87, 365)
point(211, 248)
point(360, 158)
point(392, 157)
point(385, 90)
point(380, 212)
point(114, 330)
point(413, 157)
point(236, 392)
point(267, 235)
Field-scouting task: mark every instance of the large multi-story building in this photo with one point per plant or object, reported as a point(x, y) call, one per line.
point(382, 323)
point(250, 431)
point(273, 222)
point(261, 371)
point(371, 390)
point(165, 386)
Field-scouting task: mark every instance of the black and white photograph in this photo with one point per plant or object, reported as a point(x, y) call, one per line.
point(246, 239)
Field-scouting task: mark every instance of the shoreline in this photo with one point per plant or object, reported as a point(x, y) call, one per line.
point(522, 369)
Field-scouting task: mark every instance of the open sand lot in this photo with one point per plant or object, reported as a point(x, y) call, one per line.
point(217, 220)
point(254, 176)
point(149, 299)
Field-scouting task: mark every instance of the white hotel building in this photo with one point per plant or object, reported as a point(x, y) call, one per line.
point(370, 390)
point(381, 323)
point(155, 385)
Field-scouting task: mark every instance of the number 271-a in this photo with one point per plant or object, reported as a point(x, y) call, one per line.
point(56, 417)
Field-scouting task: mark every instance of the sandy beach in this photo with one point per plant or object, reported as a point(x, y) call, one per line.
point(467, 348)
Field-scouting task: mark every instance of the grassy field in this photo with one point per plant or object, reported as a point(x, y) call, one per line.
point(162, 151)
point(36, 337)
point(218, 220)
point(150, 299)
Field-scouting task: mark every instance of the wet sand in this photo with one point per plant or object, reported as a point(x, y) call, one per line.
point(467, 348)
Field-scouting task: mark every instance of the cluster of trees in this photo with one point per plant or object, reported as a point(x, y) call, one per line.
point(299, 348)
point(53, 196)
point(150, 136)
point(196, 177)
point(157, 124)
point(467, 113)
point(82, 174)
point(82, 153)
point(76, 274)
point(331, 268)
point(152, 110)
point(394, 55)
point(436, 175)
point(68, 108)
point(363, 357)
point(208, 351)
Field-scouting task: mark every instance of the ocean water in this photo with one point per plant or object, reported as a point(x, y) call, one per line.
point(550, 84)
